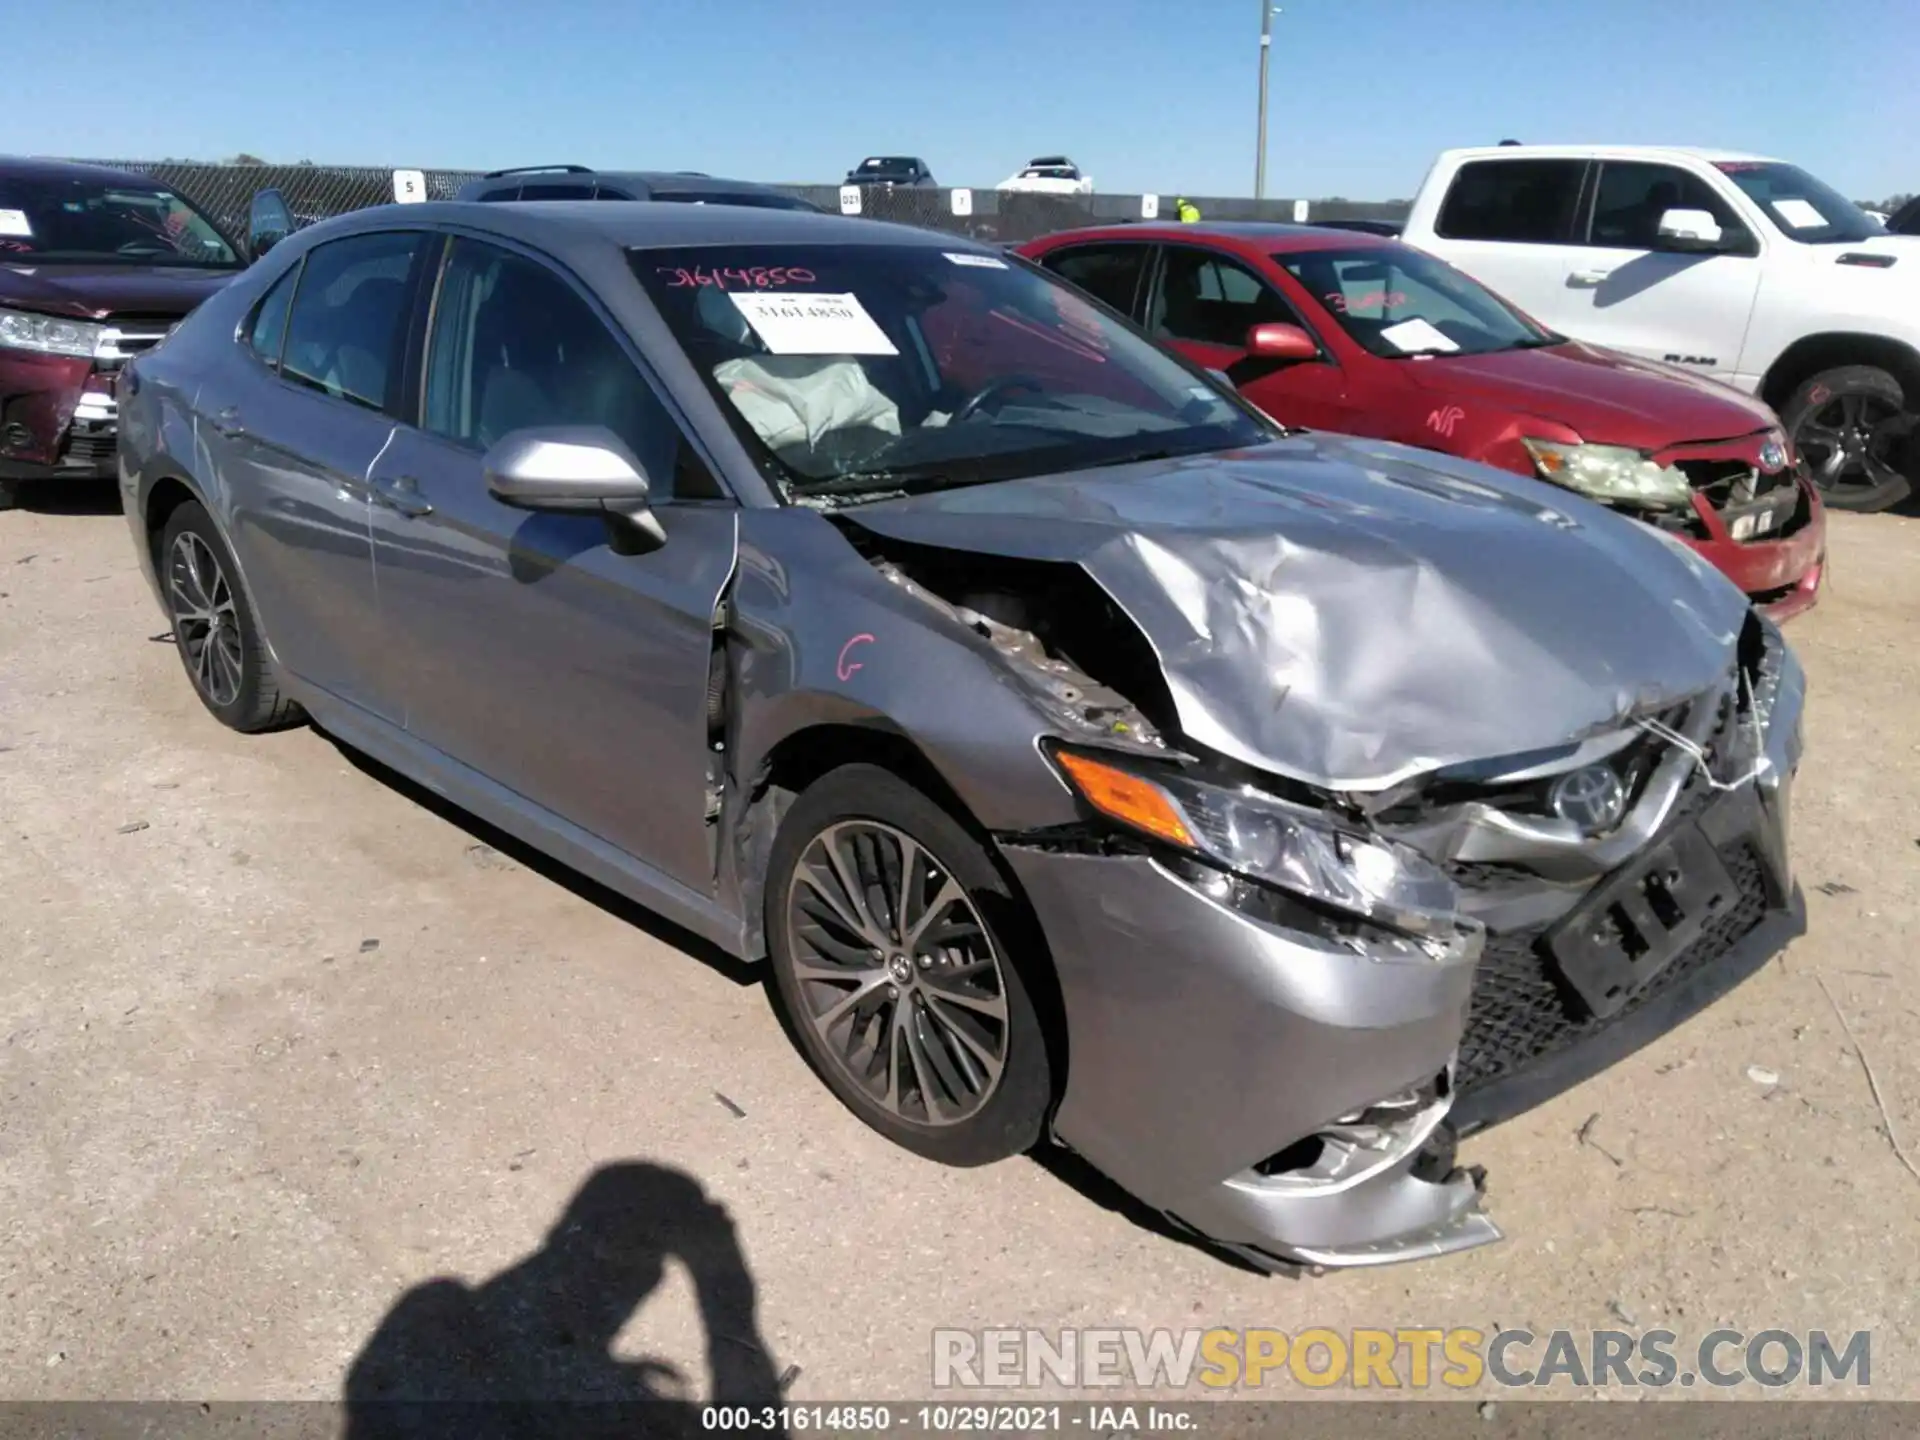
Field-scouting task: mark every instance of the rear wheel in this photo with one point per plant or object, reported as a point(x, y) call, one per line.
point(888, 926)
point(1851, 426)
point(214, 629)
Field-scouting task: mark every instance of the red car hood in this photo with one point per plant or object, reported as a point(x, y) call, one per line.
point(95, 292)
point(1610, 398)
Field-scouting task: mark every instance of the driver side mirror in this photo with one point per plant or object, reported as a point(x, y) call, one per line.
point(1690, 230)
point(1281, 342)
point(577, 470)
point(269, 221)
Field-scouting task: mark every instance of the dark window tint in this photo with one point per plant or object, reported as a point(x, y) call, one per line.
point(1905, 220)
point(269, 330)
point(514, 347)
point(1110, 273)
point(1632, 197)
point(501, 192)
point(1212, 300)
point(558, 190)
point(1525, 201)
point(349, 314)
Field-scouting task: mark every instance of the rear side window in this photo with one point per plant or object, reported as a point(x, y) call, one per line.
point(1633, 195)
point(1518, 201)
point(345, 329)
point(1109, 273)
point(269, 331)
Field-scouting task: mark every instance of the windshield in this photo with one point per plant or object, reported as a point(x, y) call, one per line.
point(64, 221)
point(888, 164)
point(1396, 302)
point(1049, 172)
point(879, 368)
point(1799, 206)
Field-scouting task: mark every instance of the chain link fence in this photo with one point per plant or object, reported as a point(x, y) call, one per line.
point(316, 192)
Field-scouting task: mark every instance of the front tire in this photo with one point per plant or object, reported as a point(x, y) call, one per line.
point(1850, 425)
point(888, 926)
point(215, 631)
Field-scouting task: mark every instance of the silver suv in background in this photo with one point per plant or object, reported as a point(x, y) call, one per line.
point(578, 182)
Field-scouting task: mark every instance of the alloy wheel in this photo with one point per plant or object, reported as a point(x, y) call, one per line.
point(899, 975)
point(1848, 443)
point(206, 626)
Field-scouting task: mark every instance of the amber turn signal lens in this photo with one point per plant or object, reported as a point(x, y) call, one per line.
point(1126, 798)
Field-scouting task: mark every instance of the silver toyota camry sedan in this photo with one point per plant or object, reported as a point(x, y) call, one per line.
point(1254, 813)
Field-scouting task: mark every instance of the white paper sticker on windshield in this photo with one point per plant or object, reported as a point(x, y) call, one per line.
point(1799, 213)
point(1412, 336)
point(14, 222)
point(813, 324)
point(979, 262)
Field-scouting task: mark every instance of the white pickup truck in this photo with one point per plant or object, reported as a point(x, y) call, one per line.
point(1738, 267)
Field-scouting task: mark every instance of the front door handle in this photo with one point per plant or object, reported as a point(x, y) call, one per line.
point(228, 423)
point(401, 494)
point(1588, 277)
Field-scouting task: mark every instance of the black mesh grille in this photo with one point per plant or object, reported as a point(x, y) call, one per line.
point(1519, 1013)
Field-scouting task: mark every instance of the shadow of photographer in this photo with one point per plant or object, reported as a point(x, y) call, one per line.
point(529, 1351)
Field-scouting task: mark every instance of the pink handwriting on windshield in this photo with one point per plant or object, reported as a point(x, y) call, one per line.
point(756, 278)
point(1371, 300)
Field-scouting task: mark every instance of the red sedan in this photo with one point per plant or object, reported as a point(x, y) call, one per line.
point(1339, 330)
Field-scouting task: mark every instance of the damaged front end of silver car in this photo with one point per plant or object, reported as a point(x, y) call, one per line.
point(1344, 891)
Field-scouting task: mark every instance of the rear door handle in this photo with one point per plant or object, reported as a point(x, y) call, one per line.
point(228, 423)
point(1588, 277)
point(401, 494)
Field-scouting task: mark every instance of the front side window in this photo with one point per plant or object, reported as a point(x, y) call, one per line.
point(515, 347)
point(1633, 195)
point(1397, 302)
point(1518, 201)
point(345, 328)
point(1109, 273)
point(74, 222)
point(854, 369)
point(1799, 206)
point(1207, 299)
point(269, 330)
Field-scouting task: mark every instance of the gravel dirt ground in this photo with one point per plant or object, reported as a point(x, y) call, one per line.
point(280, 1040)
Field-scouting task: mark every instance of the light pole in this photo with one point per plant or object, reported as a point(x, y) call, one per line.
point(1267, 12)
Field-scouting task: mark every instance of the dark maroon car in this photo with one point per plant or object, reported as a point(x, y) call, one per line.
point(96, 266)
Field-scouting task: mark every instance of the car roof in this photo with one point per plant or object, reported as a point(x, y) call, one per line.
point(20, 167)
point(1602, 152)
point(643, 224)
point(1267, 237)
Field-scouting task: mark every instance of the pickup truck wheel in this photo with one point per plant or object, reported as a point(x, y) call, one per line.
point(1852, 427)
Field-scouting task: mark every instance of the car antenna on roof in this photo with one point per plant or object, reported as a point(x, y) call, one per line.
point(1509, 142)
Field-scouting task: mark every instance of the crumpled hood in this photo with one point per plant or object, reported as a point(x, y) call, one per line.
point(1351, 613)
point(95, 292)
point(1608, 397)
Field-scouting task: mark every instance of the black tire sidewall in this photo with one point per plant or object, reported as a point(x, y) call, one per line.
point(244, 712)
point(1013, 1120)
point(1840, 381)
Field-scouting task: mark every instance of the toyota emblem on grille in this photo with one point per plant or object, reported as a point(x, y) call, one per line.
point(1591, 798)
point(1773, 457)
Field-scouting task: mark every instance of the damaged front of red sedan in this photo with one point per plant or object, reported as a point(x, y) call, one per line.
point(1359, 334)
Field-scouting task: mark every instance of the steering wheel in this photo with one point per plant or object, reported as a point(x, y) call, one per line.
point(1004, 385)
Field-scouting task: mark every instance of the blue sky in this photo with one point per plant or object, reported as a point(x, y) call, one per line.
point(1146, 94)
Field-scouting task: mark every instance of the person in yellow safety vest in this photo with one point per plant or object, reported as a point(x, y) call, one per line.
point(1189, 212)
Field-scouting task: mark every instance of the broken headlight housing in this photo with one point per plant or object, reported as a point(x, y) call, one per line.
point(1263, 838)
point(1609, 472)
